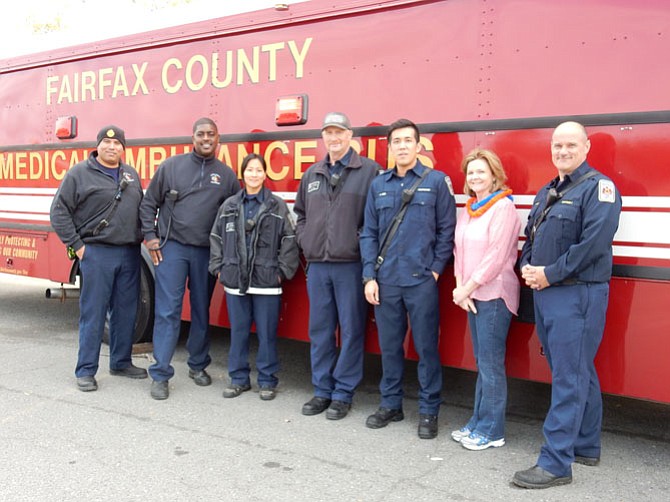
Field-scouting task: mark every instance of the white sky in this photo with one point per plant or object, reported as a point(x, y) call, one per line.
point(83, 21)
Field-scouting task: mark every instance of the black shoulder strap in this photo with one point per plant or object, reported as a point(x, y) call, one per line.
point(336, 181)
point(110, 209)
point(115, 204)
point(554, 196)
point(407, 196)
point(171, 198)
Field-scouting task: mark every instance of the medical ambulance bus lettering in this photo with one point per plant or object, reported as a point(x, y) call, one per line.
point(286, 159)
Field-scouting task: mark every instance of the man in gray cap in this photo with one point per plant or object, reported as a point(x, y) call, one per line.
point(329, 207)
point(95, 212)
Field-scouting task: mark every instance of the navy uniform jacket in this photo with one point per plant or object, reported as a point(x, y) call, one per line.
point(575, 240)
point(202, 185)
point(85, 197)
point(424, 241)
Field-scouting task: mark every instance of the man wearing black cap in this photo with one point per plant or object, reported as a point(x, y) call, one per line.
point(329, 207)
point(95, 212)
point(185, 195)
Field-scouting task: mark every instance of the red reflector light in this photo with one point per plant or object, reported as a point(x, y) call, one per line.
point(291, 110)
point(66, 127)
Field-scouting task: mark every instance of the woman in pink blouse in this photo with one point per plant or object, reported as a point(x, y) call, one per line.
point(487, 288)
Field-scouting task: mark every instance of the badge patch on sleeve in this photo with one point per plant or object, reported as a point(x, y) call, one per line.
point(606, 191)
point(447, 180)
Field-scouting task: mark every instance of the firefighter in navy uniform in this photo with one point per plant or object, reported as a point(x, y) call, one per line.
point(329, 207)
point(95, 212)
point(401, 269)
point(252, 252)
point(567, 260)
point(185, 194)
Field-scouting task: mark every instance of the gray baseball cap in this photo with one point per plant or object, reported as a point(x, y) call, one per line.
point(336, 119)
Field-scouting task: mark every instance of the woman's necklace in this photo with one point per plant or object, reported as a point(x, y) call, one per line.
point(476, 209)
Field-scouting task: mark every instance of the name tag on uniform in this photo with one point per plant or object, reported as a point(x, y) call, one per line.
point(424, 189)
point(606, 191)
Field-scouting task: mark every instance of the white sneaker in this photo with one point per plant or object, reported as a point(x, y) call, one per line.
point(460, 434)
point(478, 442)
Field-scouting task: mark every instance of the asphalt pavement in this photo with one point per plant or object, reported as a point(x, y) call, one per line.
point(60, 444)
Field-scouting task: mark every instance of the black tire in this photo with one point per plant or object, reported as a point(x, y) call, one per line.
point(144, 323)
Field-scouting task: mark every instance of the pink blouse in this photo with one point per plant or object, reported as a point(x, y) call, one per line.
point(486, 250)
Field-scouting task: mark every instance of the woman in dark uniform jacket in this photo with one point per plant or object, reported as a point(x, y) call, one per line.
point(252, 251)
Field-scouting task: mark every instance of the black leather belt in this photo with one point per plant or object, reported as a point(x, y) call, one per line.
point(572, 282)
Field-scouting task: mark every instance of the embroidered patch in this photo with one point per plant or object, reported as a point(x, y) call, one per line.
point(447, 180)
point(606, 191)
point(230, 226)
point(215, 179)
point(313, 186)
point(128, 177)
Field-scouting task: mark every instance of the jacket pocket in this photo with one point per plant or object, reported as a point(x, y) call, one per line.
point(421, 212)
point(424, 198)
point(564, 222)
point(265, 273)
point(229, 275)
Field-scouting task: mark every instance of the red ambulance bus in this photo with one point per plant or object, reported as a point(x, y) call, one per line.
point(498, 74)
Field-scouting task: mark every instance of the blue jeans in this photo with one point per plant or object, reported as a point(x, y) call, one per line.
point(180, 264)
point(110, 280)
point(263, 310)
point(421, 303)
point(336, 299)
point(489, 328)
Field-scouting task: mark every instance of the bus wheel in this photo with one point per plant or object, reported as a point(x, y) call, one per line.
point(144, 323)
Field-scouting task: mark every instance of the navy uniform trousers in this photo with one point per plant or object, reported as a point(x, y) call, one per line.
point(110, 282)
point(264, 311)
point(181, 263)
point(336, 297)
point(570, 323)
point(421, 303)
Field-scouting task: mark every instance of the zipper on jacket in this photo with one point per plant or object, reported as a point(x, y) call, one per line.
point(251, 255)
point(202, 172)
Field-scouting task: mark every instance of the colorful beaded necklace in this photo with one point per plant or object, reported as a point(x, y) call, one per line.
point(476, 209)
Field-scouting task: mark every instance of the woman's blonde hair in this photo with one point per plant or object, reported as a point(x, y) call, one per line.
point(493, 161)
